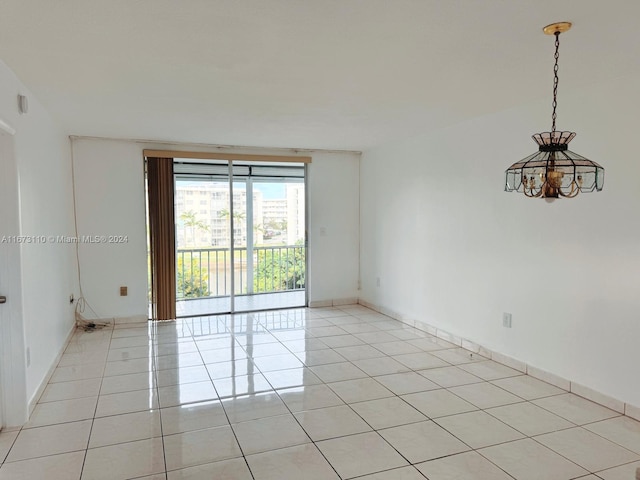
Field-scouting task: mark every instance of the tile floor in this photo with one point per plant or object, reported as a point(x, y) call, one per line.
point(305, 394)
point(242, 303)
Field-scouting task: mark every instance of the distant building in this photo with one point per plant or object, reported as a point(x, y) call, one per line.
point(210, 224)
point(274, 220)
point(274, 211)
point(295, 213)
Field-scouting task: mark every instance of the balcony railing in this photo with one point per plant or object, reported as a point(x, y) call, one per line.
point(206, 272)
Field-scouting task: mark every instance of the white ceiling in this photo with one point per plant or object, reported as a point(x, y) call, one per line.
point(332, 74)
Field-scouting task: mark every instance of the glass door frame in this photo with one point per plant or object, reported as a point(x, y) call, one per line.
point(249, 184)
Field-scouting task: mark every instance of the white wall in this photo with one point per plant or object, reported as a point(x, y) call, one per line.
point(453, 250)
point(48, 270)
point(110, 197)
point(333, 226)
point(111, 202)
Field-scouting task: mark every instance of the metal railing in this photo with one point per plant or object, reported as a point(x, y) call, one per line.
point(206, 272)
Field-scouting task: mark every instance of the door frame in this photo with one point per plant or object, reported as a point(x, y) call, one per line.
point(248, 180)
point(13, 374)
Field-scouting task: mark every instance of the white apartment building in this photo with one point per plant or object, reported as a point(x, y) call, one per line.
point(295, 213)
point(202, 215)
point(274, 212)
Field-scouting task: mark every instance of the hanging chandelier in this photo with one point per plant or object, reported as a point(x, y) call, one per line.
point(554, 171)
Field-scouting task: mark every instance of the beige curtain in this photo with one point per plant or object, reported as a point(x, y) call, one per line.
point(162, 238)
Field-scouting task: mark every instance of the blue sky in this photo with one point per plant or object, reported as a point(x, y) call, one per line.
point(270, 191)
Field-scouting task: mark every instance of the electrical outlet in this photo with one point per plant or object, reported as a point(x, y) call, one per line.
point(123, 291)
point(506, 320)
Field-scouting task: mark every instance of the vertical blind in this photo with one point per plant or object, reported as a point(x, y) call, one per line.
point(162, 238)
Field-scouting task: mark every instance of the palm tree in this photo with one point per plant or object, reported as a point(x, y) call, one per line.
point(224, 213)
point(237, 215)
point(191, 221)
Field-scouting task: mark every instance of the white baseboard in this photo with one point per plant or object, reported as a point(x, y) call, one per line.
point(632, 411)
point(509, 362)
point(43, 384)
point(340, 302)
point(320, 303)
point(600, 398)
point(549, 377)
point(334, 302)
point(131, 319)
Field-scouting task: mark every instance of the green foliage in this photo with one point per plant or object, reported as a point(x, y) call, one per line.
point(224, 213)
point(191, 278)
point(279, 269)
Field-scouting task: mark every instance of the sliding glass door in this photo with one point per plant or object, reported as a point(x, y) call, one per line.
point(203, 251)
point(240, 237)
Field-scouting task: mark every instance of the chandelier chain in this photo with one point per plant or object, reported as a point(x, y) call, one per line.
point(555, 83)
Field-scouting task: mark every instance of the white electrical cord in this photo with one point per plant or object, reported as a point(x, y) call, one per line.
point(81, 302)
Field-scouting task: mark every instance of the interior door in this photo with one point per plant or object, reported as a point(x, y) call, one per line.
point(13, 365)
point(8, 246)
point(3, 298)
